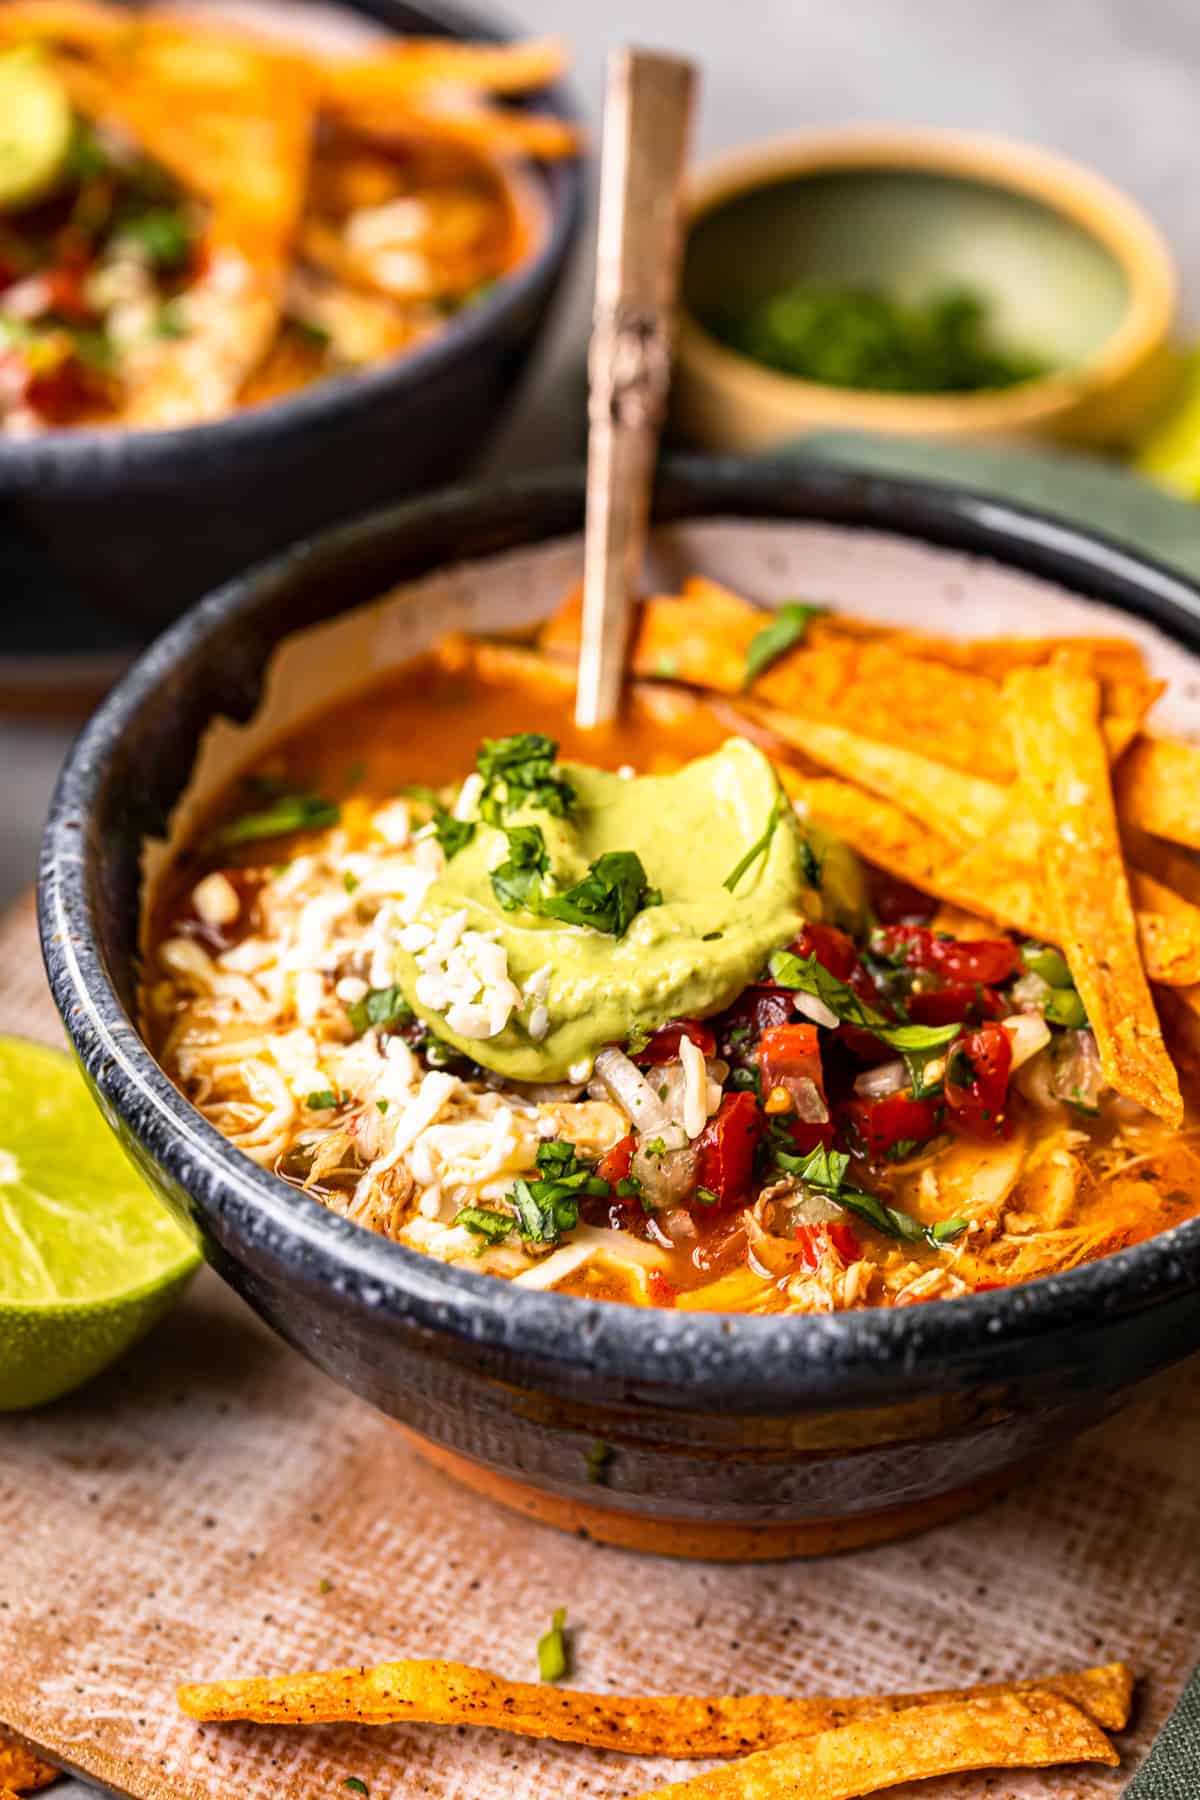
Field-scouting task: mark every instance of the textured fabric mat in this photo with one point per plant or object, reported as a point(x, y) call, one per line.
point(215, 1506)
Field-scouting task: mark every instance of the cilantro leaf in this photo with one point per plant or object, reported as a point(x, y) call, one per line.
point(548, 1207)
point(451, 833)
point(788, 627)
point(486, 1222)
point(516, 882)
point(519, 771)
point(608, 898)
point(288, 809)
point(759, 847)
point(321, 1101)
point(808, 976)
point(385, 1008)
point(825, 1170)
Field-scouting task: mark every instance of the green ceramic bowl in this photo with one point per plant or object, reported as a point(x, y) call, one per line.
point(1071, 269)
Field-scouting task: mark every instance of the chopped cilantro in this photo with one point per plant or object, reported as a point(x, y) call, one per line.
point(825, 1170)
point(162, 233)
point(356, 1785)
point(486, 1222)
point(324, 1586)
point(608, 898)
point(350, 882)
point(788, 628)
point(519, 771)
point(706, 1197)
point(629, 1188)
point(552, 1649)
point(383, 1008)
point(287, 808)
point(322, 1100)
point(760, 846)
point(381, 1105)
point(808, 976)
point(451, 833)
point(810, 865)
point(654, 1147)
point(548, 1207)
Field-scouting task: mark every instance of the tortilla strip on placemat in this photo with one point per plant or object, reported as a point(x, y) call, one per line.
point(1033, 1731)
point(447, 1693)
point(1054, 717)
point(22, 1771)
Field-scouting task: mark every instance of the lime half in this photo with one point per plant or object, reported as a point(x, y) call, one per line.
point(89, 1259)
point(35, 125)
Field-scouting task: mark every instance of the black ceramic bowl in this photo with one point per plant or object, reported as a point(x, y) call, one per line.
point(143, 523)
point(729, 1435)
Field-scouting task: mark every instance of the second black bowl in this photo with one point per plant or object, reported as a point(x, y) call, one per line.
point(141, 523)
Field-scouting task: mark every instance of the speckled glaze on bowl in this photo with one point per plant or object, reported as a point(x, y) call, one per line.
point(732, 1436)
point(140, 524)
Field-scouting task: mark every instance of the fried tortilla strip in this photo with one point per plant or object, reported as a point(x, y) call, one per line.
point(461, 119)
point(81, 24)
point(987, 880)
point(1158, 788)
point(1054, 719)
point(232, 118)
point(964, 807)
point(447, 1693)
point(394, 74)
point(21, 1770)
point(867, 682)
point(1035, 1731)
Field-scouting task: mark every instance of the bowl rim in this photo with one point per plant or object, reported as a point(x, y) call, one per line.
point(560, 186)
point(260, 1222)
point(1060, 185)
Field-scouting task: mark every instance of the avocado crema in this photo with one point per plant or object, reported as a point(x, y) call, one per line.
point(692, 944)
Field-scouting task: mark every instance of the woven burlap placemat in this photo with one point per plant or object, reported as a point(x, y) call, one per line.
point(214, 1506)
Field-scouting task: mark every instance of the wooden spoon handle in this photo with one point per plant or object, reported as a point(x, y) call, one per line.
point(647, 120)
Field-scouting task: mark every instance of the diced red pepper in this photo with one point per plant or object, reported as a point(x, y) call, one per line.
point(815, 1239)
point(614, 1164)
point(844, 1239)
point(726, 1147)
point(958, 961)
point(879, 1125)
point(788, 1054)
point(663, 1046)
point(976, 1084)
point(661, 1291)
point(833, 949)
point(955, 1004)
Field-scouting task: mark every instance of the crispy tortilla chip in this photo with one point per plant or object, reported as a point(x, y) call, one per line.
point(21, 1770)
point(446, 1693)
point(1054, 720)
point(1034, 1731)
point(395, 74)
point(496, 130)
point(1158, 789)
point(1175, 868)
point(963, 807)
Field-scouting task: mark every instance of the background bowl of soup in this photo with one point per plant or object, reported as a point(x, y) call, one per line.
point(824, 283)
point(141, 522)
point(724, 1435)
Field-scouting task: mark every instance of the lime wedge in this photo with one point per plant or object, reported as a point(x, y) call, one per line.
point(35, 125)
point(89, 1259)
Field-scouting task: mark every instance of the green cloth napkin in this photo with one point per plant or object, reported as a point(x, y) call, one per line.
point(1083, 491)
point(1080, 489)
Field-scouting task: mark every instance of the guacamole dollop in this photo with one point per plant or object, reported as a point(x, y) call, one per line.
point(688, 953)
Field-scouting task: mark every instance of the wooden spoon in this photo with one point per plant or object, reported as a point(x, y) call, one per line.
point(647, 121)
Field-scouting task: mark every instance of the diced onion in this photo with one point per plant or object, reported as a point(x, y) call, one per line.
point(627, 1085)
point(816, 1010)
point(806, 1097)
point(1027, 1034)
point(888, 1078)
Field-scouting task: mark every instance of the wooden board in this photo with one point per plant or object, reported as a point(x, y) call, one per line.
point(214, 1505)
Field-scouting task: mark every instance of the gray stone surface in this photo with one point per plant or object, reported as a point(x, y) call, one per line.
point(1111, 82)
